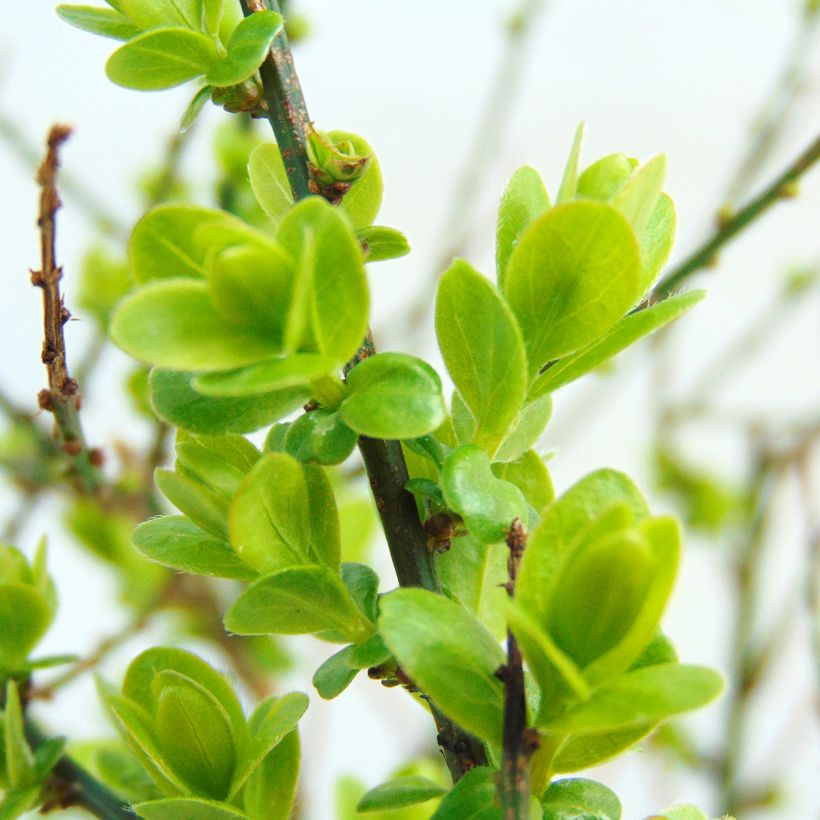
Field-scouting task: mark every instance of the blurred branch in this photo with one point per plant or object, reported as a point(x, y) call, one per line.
point(98, 211)
point(62, 398)
point(494, 122)
point(782, 187)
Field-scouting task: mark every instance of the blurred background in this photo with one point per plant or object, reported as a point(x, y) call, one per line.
point(718, 420)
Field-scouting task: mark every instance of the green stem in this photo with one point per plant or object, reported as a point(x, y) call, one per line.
point(781, 188)
point(383, 460)
point(79, 787)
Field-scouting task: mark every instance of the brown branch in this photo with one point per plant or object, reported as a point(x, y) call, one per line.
point(519, 741)
point(62, 398)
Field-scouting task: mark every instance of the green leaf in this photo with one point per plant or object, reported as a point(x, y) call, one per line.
point(194, 734)
point(149, 14)
point(270, 790)
point(18, 760)
point(325, 535)
point(295, 370)
point(314, 231)
point(686, 811)
point(400, 792)
point(269, 181)
point(194, 109)
point(247, 48)
point(380, 243)
point(657, 239)
point(320, 437)
point(524, 199)
point(105, 279)
point(604, 178)
point(393, 396)
point(188, 808)
point(577, 798)
point(164, 243)
point(569, 181)
point(487, 504)
point(269, 521)
point(272, 721)
point(584, 750)
point(175, 401)
point(207, 509)
point(483, 350)
point(218, 462)
point(573, 274)
point(562, 521)
point(624, 333)
point(24, 618)
point(335, 674)
point(363, 200)
point(162, 58)
point(250, 285)
point(638, 196)
point(646, 695)
point(473, 573)
point(105, 22)
point(174, 324)
point(526, 430)
point(449, 655)
point(296, 601)
point(470, 797)
point(529, 473)
point(17, 802)
point(176, 542)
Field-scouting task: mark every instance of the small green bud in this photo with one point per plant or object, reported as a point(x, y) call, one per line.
point(334, 166)
point(602, 590)
point(320, 437)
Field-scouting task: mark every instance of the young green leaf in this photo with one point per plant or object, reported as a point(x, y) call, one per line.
point(188, 808)
point(165, 245)
point(269, 520)
point(270, 790)
point(584, 750)
point(576, 797)
point(174, 324)
point(325, 536)
point(24, 618)
point(526, 430)
point(17, 758)
point(175, 401)
point(176, 542)
point(296, 601)
point(569, 181)
point(650, 694)
point(448, 655)
point(470, 798)
point(320, 437)
point(162, 58)
point(573, 274)
point(624, 333)
point(380, 243)
point(335, 674)
point(207, 509)
point(604, 178)
point(364, 198)
point(105, 22)
point(483, 350)
point(315, 231)
point(656, 240)
point(400, 792)
point(247, 48)
point(639, 195)
point(487, 504)
point(524, 199)
point(218, 462)
point(529, 473)
point(393, 396)
point(295, 370)
point(269, 181)
point(148, 14)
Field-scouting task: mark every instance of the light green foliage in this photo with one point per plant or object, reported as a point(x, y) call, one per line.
point(473, 797)
point(320, 437)
point(105, 22)
point(623, 334)
point(186, 725)
point(104, 280)
point(247, 47)
point(361, 201)
point(577, 797)
point(573, 274)
point(569, 181)
point(393, 396)
point(487, 504)
point(380, 243)
point(401, 792)
point(27, 605)
point(527, 428)
point(524, 199)
point(483, 349)
point(449, 655)
point(297, 370)
point(296, 601)
point(530, 474)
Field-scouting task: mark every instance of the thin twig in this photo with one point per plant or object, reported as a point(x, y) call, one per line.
point(62, 397)
point(384, 460)
point(519, 742)
point(783, 187)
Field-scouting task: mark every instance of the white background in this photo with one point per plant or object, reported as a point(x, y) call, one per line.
point(683, 78)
